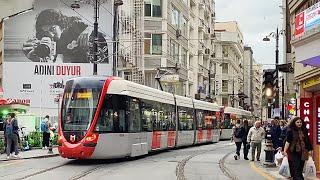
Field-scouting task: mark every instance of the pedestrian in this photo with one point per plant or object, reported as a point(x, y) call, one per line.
point(237, 134)
point(255, 136)
point(275, 132)
point(45, 129)
point(245, 143)
point(283, 133)
point(298, 147)
point(11, 135)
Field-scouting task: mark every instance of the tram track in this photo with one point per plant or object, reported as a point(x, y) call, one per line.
point(181, 164)
point(224, 168)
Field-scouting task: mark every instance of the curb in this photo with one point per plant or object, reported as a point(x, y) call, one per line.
point(34, 157)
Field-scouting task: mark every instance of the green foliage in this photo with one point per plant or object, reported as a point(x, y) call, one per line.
point(35, 139)
point(54, 140)
point(1, 145)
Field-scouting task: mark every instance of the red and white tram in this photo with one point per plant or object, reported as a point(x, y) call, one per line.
point(108, 117)
point(230, 116)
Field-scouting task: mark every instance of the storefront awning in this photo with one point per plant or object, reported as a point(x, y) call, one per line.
point(314, 61)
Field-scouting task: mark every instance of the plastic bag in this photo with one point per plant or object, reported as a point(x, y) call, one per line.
point(284, 169)
point(310, 169)
point(279, 157)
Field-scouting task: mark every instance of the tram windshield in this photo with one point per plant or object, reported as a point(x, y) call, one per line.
point(80, 102)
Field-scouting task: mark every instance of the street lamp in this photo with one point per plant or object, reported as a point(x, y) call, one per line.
point(267, 38)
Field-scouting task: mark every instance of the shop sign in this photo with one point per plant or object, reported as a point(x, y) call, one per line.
point(306, 109)
point(318, 119)
point(312, 16)
point(299, 24)
point(307, 20)
point(311, 82)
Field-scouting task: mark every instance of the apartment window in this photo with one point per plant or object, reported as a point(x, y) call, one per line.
point(224, 85)
point(174, 51)
point(224, 68)
point(183, 26)
point(153, 44)
point(225, 51)
point(175, 17)
point(152, 8)
point(184, 57)
point(225, 101)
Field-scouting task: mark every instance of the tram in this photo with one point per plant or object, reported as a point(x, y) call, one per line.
point(230, 116)
point(108, 117)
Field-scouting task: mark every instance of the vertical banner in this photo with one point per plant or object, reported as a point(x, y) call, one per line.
point(299, 24)
point(318, 119)
point(306, 109)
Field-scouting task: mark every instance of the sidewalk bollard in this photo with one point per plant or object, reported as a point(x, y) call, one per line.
point(269, 150)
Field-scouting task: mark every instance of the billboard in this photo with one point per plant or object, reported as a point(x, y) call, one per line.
point(307, 20)
point(47, 46)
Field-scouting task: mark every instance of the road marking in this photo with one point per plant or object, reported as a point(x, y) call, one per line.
point(9, 164)
point(261, 172)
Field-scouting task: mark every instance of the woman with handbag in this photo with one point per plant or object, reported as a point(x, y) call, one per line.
point(297, 147)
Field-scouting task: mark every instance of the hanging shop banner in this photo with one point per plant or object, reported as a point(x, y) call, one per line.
point(306, 109)
point(299, 24)
point(318, 119)
point(307, 20)
point(51, 44)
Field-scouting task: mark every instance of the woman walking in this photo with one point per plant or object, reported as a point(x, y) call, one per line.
point(237, 134)
point(297, 147)
point(246, 145)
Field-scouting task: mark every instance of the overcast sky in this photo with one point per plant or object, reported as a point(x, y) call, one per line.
point(256, 18)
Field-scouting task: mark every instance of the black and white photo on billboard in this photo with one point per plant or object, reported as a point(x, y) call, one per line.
point(60, 34)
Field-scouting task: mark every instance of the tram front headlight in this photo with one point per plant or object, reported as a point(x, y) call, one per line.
point(91, 137)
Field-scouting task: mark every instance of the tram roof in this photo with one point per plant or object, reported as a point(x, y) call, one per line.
point(124, 87)
point(237, 111)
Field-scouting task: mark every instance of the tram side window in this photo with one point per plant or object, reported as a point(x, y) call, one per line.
point(209, 118)
point(200, 119)
point(112, 115)
point(227, 122)
point(170, 117)
point(134, 115)
point(146, 110)
point(185, 118)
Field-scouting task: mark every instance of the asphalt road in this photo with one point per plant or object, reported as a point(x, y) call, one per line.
point(213, 161)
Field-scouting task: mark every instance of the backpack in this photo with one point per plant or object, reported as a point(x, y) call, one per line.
point(9, 129)
point(44, 126)
point(238, 133)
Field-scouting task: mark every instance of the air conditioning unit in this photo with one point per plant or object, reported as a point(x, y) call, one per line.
point(178, 33)
point(207, 51)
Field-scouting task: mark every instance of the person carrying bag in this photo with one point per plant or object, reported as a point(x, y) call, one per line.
point(284, 169)
point(310, 169)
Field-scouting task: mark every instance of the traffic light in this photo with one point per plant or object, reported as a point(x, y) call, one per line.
point(270, 82)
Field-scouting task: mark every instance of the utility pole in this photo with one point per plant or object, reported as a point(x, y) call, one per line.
point(95, 39)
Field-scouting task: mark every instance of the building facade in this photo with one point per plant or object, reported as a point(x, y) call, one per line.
point(305, 41)
point(228, 63)
point(257, 74)
point(176, 41)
